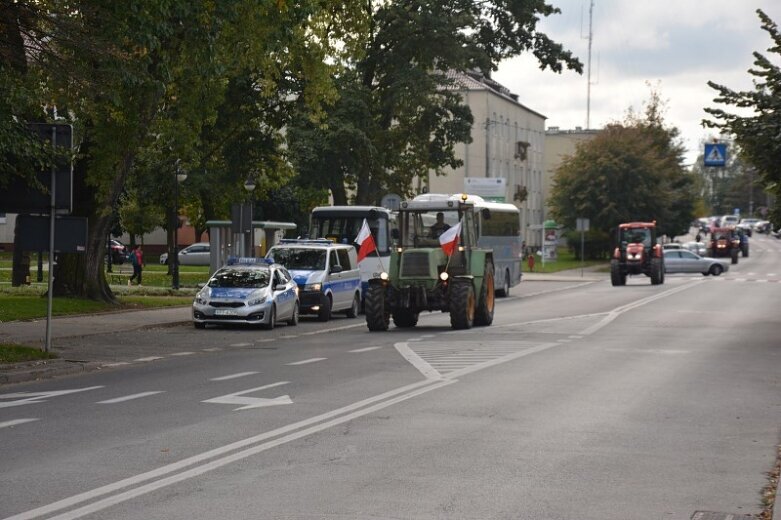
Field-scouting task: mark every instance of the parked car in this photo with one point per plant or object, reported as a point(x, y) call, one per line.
point(763, 226)
point(747, 225)
point(117, 250)
point(252, 291)
point(683, 261)
point(195, 254)
point(699, 248)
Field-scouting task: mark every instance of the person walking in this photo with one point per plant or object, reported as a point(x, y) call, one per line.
point(136, 258)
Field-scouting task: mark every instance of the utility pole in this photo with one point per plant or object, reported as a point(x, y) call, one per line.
point(588, 81)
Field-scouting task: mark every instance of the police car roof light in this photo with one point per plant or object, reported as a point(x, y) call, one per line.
point(246, 260)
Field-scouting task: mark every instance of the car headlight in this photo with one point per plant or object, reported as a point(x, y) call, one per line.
point(256, 301)
point(313, 287)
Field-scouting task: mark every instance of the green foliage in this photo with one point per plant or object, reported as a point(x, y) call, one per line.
point(596, 244)
point(20, 353)
point(628, 172)
point(757, 134)
point(398, 115)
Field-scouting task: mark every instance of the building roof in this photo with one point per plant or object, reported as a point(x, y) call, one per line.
point(477, 81)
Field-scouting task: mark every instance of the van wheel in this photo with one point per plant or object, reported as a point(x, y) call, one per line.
point(504, 290)
point(324, 314)
point(352, 312)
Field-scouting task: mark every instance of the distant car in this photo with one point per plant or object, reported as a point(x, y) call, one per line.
point(699, 248)
point(763, 226)
point(195, 254)
point(250, 291)
point(747, 225)
point(118, 251)
point(683, 261)
point(728, 220)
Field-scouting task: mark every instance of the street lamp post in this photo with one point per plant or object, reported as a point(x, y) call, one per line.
point(249, 186)
point(181, 176)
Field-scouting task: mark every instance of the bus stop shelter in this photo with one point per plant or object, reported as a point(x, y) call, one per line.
point(224, 242)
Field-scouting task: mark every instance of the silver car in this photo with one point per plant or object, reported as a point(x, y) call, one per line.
point(699, 248)
point(195, 254)
point(683, 261)
point(250, 291)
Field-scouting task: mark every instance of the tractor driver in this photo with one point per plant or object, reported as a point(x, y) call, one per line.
point(440, 226)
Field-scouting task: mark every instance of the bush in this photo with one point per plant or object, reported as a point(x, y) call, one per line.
point(597, 244)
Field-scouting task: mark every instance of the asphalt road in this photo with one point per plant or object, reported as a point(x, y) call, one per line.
point(582, 401)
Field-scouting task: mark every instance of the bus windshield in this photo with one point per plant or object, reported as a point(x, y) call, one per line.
point(343, 228)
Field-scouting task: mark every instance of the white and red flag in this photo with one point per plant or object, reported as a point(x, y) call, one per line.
point(365, 241)
point(449, 239)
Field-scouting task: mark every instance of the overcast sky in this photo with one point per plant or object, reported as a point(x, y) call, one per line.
point(678, 45)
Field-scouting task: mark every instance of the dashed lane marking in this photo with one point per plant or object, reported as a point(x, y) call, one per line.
point(145, 359)
point(16, 422)
point(306, 361)
point(129, 397)
point(177, 354)
point(366, 349)
point(233, 376)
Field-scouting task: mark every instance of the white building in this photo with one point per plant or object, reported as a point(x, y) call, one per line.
point(504, 161)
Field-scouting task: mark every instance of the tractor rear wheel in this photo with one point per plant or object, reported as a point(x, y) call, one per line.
point(486, 302)
point(657, 271)
point(462, 304)
point(616, 276)
point(377, 314)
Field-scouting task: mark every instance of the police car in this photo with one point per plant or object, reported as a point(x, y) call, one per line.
point(252, 291)
point(327, 275)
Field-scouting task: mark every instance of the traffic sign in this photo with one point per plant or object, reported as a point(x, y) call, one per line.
point(715, 154)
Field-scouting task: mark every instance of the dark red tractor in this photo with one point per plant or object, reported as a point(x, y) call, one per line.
point(724, 241)
point(637, 253)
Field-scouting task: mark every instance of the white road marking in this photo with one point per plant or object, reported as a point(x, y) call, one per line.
point(306, 361)
point(333, 329)
point(233, 376)
point(183, 353)
point(366, 349)
point(252, 402)
point(15, 422)
point(150, 358)
point(762, 281)
point(117, 364)
point(129, 397)
point(214, 349)
point(23, 398)
point(251, 446)
point(241, 345)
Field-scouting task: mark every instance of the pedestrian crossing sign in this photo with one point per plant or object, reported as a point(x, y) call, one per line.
point(715, 154)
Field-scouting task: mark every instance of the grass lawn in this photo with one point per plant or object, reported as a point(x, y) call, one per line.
point(566, 260)
point(30, 306)
point(18, 353)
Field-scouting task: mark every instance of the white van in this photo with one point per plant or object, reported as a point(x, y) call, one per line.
point(729, 220)
point(327, 275)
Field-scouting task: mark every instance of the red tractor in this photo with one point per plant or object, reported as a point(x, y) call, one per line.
point(637, 253)
point(724, 241)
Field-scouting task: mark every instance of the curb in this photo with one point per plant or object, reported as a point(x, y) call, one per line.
point(47, 369)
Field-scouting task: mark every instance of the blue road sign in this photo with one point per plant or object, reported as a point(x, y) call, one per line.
point(715, 154)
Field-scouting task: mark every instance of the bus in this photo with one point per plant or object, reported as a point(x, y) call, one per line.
point(498, 227)
point(341, 224)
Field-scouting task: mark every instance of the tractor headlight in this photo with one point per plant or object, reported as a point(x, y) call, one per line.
point(444, 276)
point(384, 276)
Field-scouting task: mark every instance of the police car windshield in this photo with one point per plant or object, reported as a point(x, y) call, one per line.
point(299, 258)
point(242, 278)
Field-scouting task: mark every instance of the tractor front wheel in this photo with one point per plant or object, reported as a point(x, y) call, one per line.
point(377, 314)
point(462, 304)
point(616, 276)
point(657, 271)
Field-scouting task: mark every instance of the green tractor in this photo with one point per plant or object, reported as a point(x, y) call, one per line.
point(423, 276)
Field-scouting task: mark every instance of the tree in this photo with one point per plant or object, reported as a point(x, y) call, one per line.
point(398, 115)
point(631, 171)
point(757, 134)
point(142, 80)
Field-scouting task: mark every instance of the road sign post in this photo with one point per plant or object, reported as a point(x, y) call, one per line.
point(582, 225)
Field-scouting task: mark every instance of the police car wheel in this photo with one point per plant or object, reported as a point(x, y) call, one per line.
point(272, 318)
point(294, 318)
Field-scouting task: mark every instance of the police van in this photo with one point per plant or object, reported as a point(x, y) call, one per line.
point(327, 275)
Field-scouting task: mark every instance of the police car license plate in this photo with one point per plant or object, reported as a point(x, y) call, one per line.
point(225, 312)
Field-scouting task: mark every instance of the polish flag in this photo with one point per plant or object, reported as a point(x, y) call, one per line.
point(449, 239)
point(365, 240)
